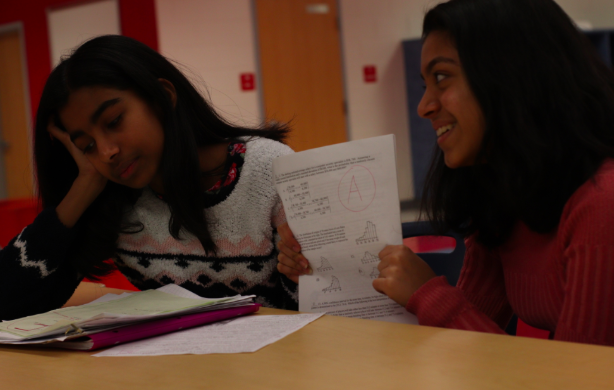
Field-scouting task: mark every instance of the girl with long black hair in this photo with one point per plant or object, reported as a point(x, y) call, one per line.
point(133, 164)
point(523, 109)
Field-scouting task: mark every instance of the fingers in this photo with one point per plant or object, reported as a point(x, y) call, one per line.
point(64, 138)
point(290, 267)
point(389, 283)
point(402, 273)
point(58, 134)
point(390, 249)
point(290, 247)
point(295, 257)
point(392, 267)
point(386, 251)
point(288, 237)
point(290, 264)
point(393, 254)
point(379, 285)
point(289, 272)
point(86, 169)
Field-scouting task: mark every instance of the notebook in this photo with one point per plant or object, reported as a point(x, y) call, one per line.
point(153, 328)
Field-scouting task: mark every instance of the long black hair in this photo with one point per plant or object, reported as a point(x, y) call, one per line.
point(123, 63)
point(548, 103)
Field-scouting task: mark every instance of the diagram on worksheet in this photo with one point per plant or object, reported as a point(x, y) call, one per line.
point(335, 286)
point(374, 273)
point(325, 265)
point(371, 275)
point(302, 205)
point(369, 236)
point(369, 258)
point(357, 188)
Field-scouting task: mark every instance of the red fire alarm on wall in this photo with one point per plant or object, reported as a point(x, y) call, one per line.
point(370, 73)
point(248, 81)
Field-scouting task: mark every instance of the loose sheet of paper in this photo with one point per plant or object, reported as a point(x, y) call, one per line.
point(342, 204)
point(237, 335)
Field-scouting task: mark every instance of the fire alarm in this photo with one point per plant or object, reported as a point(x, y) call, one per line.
point(248, 81)
point(369, 73)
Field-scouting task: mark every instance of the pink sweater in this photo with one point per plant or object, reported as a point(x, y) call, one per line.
point(562, 282)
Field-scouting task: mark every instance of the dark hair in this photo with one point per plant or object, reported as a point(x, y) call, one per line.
point(548, 102)
point(123, 63)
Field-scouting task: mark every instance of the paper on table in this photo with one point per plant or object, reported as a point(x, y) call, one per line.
point(108, 297)
point(342, 204)
point(172, 289)
point(245, 334)
point(140, 306)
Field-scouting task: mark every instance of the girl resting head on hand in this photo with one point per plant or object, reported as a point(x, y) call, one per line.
point(123, 118)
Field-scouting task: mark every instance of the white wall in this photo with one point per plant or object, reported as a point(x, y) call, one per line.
point(72, 25)
point(372, 31)
point(215, 40)
point(599, 13)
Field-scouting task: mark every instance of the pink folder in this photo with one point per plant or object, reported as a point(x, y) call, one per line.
point(152, 328)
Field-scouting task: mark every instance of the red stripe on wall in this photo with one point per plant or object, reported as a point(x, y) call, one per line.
point(137, 20)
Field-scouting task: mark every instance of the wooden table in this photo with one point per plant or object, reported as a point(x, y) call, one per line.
point(330, 353)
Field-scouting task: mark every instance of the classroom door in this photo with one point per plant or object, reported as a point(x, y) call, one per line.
point(15, 160)
point(302, 79)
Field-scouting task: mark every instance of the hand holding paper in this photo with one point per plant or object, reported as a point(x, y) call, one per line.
point(401, 273)
point(342, 204)
point(291, 262)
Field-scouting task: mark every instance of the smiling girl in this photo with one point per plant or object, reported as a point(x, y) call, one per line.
point(523, 109)
point(133, 164)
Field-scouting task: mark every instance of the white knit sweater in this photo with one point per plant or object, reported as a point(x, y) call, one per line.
point(242, 227)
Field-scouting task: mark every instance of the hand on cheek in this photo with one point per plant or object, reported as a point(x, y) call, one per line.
point(402, 272)
point(86, 187)
point(87, 172)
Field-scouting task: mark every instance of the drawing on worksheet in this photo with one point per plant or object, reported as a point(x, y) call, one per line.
point(369, 236)
point(335, 286)
point(302, 205)
point(357, 188)
point(373, 275)
point(369, 258)
point(325, 265)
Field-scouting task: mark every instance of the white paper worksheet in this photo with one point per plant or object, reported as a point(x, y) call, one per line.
point(243, 334)
point(342, 204)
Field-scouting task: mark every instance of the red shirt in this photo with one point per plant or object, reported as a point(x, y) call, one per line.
point(562, 281)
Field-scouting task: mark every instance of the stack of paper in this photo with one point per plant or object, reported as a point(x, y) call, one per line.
point(133, 316)
point(237, 335)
